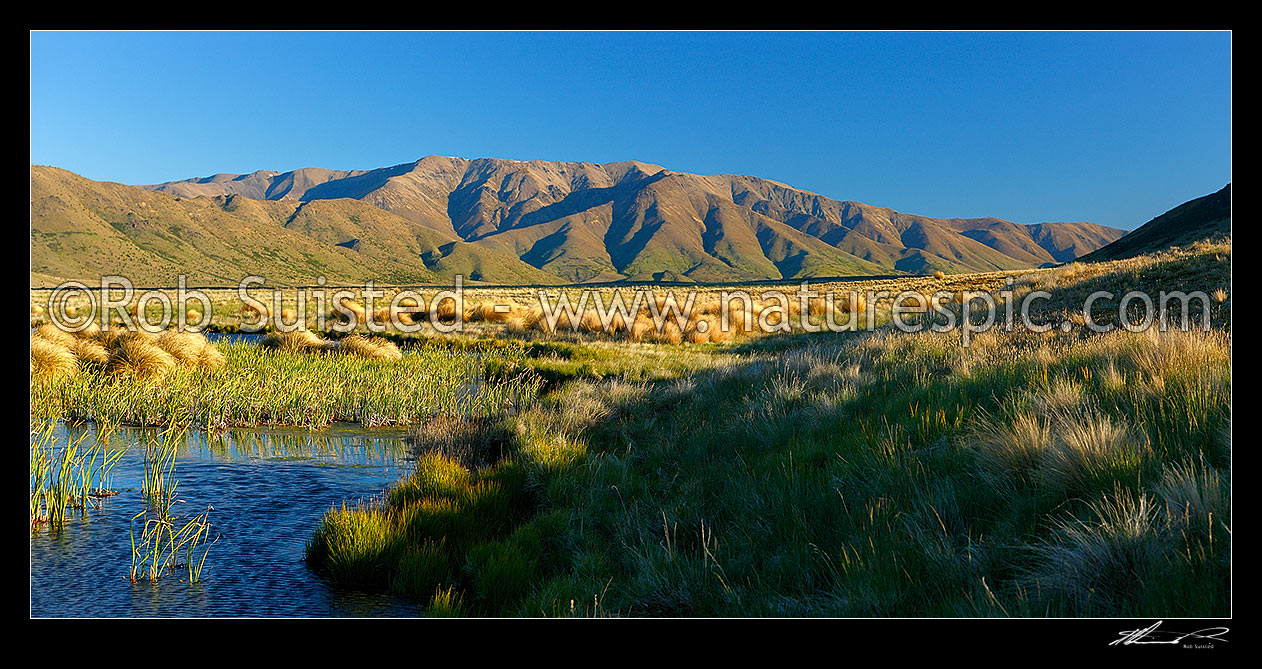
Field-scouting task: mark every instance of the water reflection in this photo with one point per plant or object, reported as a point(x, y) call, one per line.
point(234, 337)
point(268, 488)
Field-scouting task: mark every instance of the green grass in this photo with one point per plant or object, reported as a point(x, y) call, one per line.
point(257, 387)
point(852, 474)
point(66, 477)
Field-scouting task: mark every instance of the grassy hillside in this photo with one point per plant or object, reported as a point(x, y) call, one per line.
point(583, 221)
point(85, 229)
point(1203, 218)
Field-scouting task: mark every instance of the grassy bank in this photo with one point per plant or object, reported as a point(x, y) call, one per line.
point(849, 474)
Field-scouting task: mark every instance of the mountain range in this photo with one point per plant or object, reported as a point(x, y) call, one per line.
point(506, 221)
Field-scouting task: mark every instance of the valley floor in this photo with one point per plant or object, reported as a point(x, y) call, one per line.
point(884, 473)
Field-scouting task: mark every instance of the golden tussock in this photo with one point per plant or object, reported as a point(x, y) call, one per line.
point(373, 348)
point(91, 352)
point(140, 358)
point(188, 348)
point(445, 310)
point(54, 334)
point(51, 359)
point(486, 311)
point(298, 340)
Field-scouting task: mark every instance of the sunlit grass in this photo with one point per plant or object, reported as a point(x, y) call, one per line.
point(855, 474)
point(257, 386)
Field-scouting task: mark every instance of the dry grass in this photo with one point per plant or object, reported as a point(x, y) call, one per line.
point(50, 359)
point(486, 312)
point(190, 349)
point(119, 352)
point(139, 358)
point(51, 333)
point(302, 341)
point(91, 352)
point(373, 348)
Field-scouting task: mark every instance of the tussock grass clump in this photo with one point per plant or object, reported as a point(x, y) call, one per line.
point(1051, 438)
point(139, 358)
point(190, 349)
point(1093, 445)
point(185, 347)
point(90, 331)
point(446, 603)
point(210, 357)
point(1104, 565)
point(372, 348)
point(51, 359)
point(350, 309)
point(669, 334)
point(1014, 446)
point(300, 341)
point(52, 333)
point(445, 310)
point(356, 547)
point(641, 328)
point(1194, 494)
point(91, 352)
point(486, 311)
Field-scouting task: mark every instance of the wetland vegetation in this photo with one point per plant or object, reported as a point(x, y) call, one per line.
point(577, 472)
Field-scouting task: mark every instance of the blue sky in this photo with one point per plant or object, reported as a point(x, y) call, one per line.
point(1108, 127)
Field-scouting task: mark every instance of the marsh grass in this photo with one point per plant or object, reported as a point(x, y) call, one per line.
point(259, 386)
point(67, 477)
point(159, 483)
point(163, 547)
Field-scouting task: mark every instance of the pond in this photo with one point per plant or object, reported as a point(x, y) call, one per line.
point(268, 488)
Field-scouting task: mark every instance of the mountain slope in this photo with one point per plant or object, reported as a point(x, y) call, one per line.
point(520, 222)
point(84, 229)
point(1194, 220)
point(584, 221)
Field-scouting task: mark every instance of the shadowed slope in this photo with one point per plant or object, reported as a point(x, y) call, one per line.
point(1203, 218)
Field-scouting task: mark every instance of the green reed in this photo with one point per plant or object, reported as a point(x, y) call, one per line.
point(69, 478)
point(159, 485)
point(158, 550)
point(259, 386)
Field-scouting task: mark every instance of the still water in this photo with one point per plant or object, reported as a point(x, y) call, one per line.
point(269, 490)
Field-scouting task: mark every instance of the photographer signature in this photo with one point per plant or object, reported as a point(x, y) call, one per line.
point(1152, 635)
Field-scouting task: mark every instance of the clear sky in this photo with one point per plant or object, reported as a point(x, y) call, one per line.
point(1108, 127)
